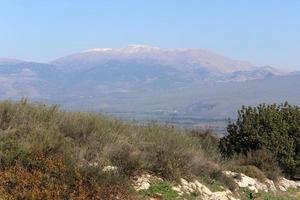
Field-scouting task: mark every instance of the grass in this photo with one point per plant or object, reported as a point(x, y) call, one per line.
point(162, 190)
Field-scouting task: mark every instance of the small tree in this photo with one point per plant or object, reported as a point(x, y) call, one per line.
point(274, 127)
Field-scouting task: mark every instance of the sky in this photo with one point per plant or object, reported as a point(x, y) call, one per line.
point(263, 32)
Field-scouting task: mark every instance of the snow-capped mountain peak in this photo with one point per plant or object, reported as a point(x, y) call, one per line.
point(98, 50)
point(139, 47)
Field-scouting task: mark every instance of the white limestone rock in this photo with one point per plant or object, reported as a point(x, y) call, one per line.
point(284, 184)
point(247, 182)
point(110, 169)
point(143, 182)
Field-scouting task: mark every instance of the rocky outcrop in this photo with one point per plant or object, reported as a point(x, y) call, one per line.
point(144, 181)
point(184, 187)
point(202, 191)
point(110, 169)
point(244, 181)
point(285, 184)
point(268, 185)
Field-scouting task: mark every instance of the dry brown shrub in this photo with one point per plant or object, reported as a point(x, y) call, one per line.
point(259, 164)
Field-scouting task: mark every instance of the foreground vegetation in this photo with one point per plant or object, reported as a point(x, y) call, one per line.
point(46, 153)
point(269, 131)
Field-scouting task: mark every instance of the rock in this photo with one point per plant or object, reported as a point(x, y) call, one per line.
point(268, 185)
point(94, 164)
point(223, 195)
point(284, 184)
point(230, 173)
point(178, 190)
point(282, 188)
point(198, 184)
point(144, 186)
point(247, 182)
point(185, 189)
point(143, 182)
point(271, 185)
point(183, 182)
point(110, 169)
point(193, 186)
point(203, 191)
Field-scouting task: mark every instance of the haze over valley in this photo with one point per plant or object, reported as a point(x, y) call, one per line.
point(181, 86)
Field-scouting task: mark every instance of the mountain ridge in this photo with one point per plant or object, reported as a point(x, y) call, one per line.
point(137, 79)
point(186, 56)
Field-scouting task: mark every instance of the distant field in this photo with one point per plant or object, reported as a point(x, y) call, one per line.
point(180, 121)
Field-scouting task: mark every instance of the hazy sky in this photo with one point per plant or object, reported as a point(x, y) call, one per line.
point(265, 32)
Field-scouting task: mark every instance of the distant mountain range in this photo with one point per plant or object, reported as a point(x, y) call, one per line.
point(142, 79)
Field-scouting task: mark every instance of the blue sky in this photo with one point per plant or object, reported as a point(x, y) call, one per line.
point(265, 32)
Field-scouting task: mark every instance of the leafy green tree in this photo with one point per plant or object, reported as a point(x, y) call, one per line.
point(272, 127)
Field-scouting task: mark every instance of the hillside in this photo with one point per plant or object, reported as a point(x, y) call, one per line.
point(123, 80)
point(46, 153)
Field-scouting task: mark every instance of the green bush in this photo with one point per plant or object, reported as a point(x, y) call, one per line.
point(272, 127)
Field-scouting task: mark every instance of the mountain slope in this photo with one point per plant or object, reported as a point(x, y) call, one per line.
point(21, 79)
point(181, 59)
point(142, 79)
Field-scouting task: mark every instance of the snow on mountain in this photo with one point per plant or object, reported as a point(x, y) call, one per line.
point(184, 59)
point(140, 78)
